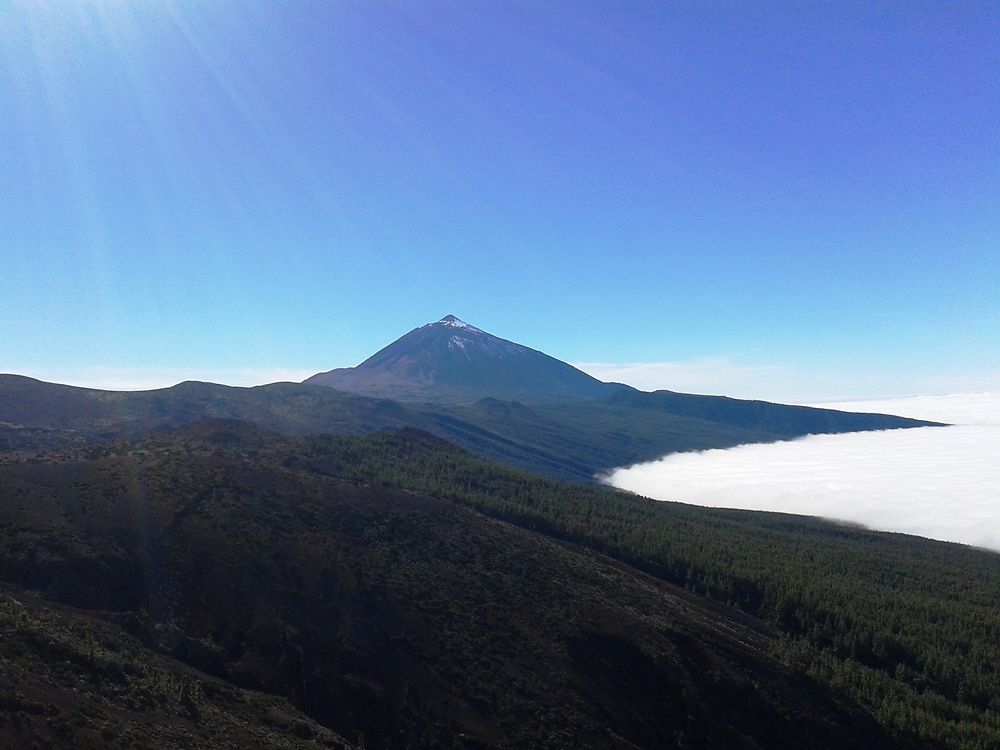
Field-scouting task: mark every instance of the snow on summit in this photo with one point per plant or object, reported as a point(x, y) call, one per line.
point(451, 320)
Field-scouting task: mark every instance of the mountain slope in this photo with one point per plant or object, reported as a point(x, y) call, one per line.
point(780, 420)
point(396, 617)
point(75, 679)
point(547, 416)
point(568, 439)
point(906, 625)
point(452, 361)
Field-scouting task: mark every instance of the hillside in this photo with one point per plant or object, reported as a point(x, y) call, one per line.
point(399, 618)
point(907, 626)
point(71, 678)
point(570, 440)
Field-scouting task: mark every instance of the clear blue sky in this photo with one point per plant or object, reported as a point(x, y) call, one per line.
point(802, 190)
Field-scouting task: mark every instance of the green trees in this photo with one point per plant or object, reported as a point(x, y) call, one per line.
point(908, 626)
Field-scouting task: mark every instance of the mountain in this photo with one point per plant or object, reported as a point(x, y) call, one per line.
point(494, 397)
point(569, 439)
point(452, 361)
point(295, 565)
point(223, 586)
point(192, 566)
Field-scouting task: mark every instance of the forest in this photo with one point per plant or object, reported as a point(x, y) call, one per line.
point(908, 626)
point(355, 575)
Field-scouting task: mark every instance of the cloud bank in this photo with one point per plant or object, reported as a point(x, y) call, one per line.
point(942, 483)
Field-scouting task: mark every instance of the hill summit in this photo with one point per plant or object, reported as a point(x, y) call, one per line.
point(454, 361)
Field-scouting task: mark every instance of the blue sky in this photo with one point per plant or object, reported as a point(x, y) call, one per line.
point(785, 200)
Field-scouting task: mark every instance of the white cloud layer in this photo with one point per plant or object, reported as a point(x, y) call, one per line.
point(940, 482)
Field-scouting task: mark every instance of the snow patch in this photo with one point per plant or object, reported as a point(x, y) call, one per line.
point(457, 342)
point(453, 322)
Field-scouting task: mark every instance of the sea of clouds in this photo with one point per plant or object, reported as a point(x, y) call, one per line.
point(939, 482)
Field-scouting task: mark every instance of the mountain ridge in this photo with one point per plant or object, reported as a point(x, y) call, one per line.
point(574, 440)
point(497, 398)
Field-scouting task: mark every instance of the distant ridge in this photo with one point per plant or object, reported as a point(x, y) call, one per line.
point(491, 396)
point(451, 360)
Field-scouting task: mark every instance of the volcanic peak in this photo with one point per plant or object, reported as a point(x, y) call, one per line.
point(454, 322)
